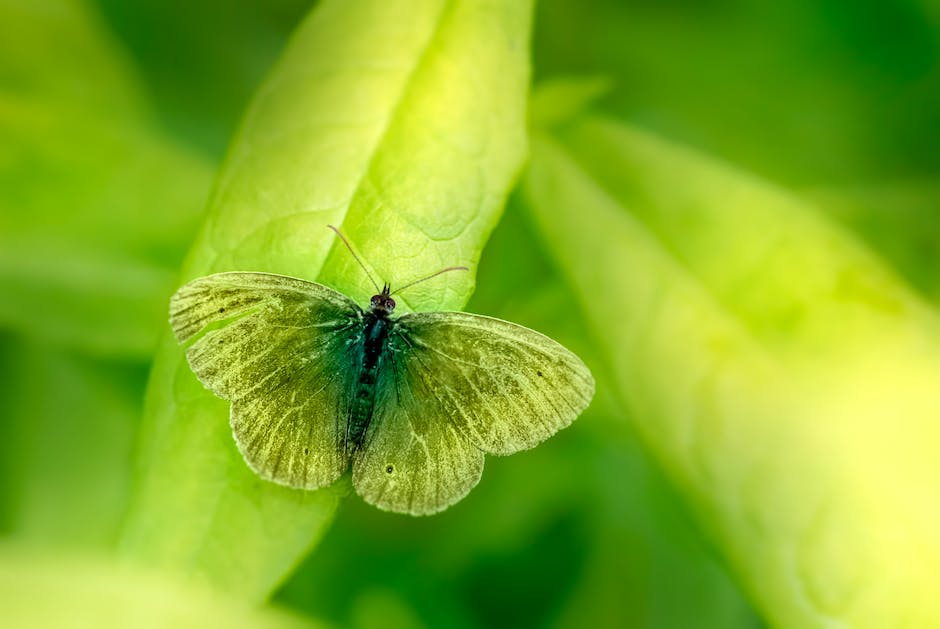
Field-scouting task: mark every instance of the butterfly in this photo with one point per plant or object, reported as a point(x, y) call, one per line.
point(318, 385)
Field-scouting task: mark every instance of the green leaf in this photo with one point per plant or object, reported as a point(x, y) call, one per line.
point(81, 297)
point(403, 122)
point(95, 204)
point(561, 99)
point(52, 48)
point(898, 219)
point(45, 589)
point(783, 377)
point(67, 436)
point(810, 93)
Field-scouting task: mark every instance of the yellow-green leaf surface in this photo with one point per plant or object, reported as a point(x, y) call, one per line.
point(788, 382)
point(403, 123)
point(61, 589)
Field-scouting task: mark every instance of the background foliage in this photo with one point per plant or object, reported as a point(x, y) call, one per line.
point(730, 209)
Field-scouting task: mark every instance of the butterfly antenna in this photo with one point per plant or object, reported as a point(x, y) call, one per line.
point(418, 281)
point(352, 251)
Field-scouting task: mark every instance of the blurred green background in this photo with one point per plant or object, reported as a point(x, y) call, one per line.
point(114, 117)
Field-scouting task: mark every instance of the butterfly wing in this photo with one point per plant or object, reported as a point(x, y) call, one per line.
point(280, 349)
point(453, 386)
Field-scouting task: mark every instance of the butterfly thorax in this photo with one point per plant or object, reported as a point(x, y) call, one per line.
point(376, 326)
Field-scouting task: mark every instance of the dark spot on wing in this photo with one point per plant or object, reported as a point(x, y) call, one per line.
point(539, 373)
point(221, 310)
point(306, 450)
point(389, 469)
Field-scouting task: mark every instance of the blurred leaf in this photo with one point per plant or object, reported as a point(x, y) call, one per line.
point(561, 98)
point(98, 302)
point(404, 123)
point(91, 196)
point(54, 51)
point(43, 589)
point(68, 425)
point(199, 82)
point(809, 92)
point(768, 361)
point(377, 609)
point(900, 219)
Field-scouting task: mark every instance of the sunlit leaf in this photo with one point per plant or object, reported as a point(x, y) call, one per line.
point(45, 589)
point(402, 122)
point(783, 377)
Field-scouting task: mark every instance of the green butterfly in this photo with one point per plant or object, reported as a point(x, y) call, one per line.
point(411, 402)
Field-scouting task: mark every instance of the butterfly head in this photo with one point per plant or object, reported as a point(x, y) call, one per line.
point(383, 302)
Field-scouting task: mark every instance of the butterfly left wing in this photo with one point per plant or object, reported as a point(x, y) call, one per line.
point(280, 349)
point(453, 386)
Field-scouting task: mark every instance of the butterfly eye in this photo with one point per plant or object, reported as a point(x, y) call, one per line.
point(390, 303)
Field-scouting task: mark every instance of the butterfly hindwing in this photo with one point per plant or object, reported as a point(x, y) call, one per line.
point(458, 385)
point(282, 351)
point(413, 459)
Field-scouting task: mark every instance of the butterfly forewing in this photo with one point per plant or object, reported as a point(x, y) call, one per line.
point(283, 351)
point(509, 387)
point(456, 385)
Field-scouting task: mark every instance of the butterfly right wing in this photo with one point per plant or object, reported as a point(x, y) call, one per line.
point(281, 350)
point(454, 385)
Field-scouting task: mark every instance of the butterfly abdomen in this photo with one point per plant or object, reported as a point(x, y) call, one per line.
point(376, 335)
